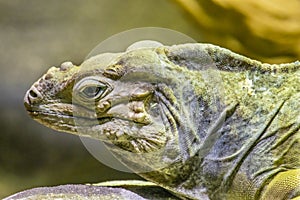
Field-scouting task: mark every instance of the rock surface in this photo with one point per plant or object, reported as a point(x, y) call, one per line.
point(65, 192)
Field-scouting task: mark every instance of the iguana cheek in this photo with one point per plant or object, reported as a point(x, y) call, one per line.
point(141, 93)
point(103, 106)
point(142, 117)
point(138, 112)
point(132, 111)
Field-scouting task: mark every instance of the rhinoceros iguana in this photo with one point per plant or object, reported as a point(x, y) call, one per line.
point(196, 119)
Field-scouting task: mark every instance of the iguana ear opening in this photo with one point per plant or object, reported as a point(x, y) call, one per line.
point(144, 44)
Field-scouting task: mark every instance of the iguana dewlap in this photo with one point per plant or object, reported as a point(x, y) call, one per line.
point(196, 119)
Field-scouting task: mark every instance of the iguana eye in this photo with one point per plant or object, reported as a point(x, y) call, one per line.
point(91, 89)
point(93, 92)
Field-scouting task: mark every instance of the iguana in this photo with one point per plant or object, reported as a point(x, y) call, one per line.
point(196, 119)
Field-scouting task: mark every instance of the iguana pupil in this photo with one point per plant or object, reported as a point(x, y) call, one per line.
point(92, 91)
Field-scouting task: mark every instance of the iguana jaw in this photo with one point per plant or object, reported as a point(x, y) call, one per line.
point(51, 116)
point(52, 119)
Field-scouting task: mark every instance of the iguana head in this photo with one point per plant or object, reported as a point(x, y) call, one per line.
point(120, 98)
point(148, 104)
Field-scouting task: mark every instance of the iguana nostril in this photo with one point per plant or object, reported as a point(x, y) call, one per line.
point(33, 94)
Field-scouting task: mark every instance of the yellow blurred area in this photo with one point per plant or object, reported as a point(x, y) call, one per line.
point(265, 30)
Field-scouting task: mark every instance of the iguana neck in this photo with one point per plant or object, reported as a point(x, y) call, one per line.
point(262, 90)
point(250, 99)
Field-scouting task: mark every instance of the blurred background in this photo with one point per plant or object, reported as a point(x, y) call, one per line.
point(37, 34)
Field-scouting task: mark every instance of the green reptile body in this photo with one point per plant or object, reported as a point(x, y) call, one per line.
point(196, 119)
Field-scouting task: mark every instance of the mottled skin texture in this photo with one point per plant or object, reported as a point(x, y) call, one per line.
point(196, 119)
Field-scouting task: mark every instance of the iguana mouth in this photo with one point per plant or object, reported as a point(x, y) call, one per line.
point(70, 121)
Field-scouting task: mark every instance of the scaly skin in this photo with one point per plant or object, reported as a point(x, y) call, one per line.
point(196, 119)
